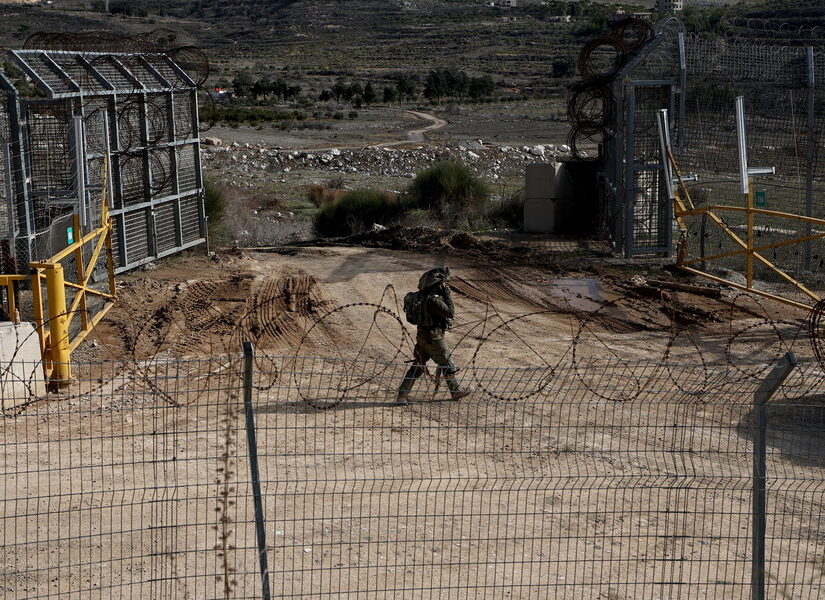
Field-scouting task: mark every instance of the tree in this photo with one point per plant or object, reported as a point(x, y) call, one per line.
point(261, 87)
point(369, 94)
point(325, 96)
point(356, 91)
point(338, 89)
point(457, 83)
point(389, 94)
point(481, 87)
point(435, 85)
point(242, 84)
point(407, 86)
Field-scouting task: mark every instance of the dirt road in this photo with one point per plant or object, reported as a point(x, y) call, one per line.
point(417, 135)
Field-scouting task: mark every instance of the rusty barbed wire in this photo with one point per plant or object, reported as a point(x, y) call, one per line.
point(591, 107)
point(352, 365)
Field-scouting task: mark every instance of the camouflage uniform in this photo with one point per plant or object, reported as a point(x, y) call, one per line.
point(430, 343)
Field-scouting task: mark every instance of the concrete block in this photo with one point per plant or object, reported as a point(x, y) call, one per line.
point(539, 215)
point(548, 198)
point(21, 366)
point(541, 180)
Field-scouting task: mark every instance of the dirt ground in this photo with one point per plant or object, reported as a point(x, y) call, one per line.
point(568, 298)
point(562, 486)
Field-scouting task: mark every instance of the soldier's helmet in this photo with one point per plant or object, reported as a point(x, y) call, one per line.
point(433, 277)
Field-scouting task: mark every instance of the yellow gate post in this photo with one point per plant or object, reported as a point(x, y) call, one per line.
point(57, 350)
point(749, 255)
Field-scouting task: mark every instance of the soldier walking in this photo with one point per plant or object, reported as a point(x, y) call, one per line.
point(431, 309)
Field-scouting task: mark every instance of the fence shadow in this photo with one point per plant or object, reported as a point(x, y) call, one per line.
point(796, 429)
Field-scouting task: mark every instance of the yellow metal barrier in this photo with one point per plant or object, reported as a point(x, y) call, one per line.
point(56, 344)
point(10, 283)
point(684, 207)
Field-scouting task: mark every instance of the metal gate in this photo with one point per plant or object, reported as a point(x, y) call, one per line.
point(138, 112)
point(648, 213)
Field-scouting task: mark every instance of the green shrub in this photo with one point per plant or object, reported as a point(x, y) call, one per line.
point(450, 191)
point(509, 212)
point(214, 201)
point(355, 212)
point(353, 115)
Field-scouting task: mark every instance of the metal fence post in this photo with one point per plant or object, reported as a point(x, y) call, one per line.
point(252, 444)
point(810, 163)
point(760, 414)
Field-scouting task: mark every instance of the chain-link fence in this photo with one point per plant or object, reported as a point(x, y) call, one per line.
point(123, 125)
point(600, 479)
point(782, 86)
point(697, 78)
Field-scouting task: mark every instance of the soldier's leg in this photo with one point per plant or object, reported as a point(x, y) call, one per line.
point(442, 355)
point(415, 371)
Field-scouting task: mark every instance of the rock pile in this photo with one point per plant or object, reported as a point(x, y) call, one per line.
point(488, 161)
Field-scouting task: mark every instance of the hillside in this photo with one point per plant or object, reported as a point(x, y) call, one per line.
point(326, 38)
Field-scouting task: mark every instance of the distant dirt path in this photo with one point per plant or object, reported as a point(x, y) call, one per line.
point(417, 135)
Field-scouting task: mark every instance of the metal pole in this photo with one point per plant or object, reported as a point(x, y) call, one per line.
point(630, 171)
point(682, 91)
point(749, 239)
point(741, 142)
point(9, 190)
point(79, 168)
point(58, 348)
point(811, 138)
point(663, 125)
point(252, 444)
point(760, 414)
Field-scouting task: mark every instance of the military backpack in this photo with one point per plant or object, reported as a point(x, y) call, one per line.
point(415, 309)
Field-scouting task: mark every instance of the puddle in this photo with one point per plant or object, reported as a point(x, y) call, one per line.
point(581, 293)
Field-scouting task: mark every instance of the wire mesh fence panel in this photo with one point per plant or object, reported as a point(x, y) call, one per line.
point(796, 491)
point(597, 478)
point(565, 492)
point(131, 111)
point(783, 110)
point(127, 490)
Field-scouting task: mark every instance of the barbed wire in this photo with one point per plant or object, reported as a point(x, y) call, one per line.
point(591, 107)
point(359, 342)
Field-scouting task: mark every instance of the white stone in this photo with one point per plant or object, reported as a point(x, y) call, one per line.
point(378, 227)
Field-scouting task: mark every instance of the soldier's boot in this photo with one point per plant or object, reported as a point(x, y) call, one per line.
point(456, 393)
point(401, 399)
